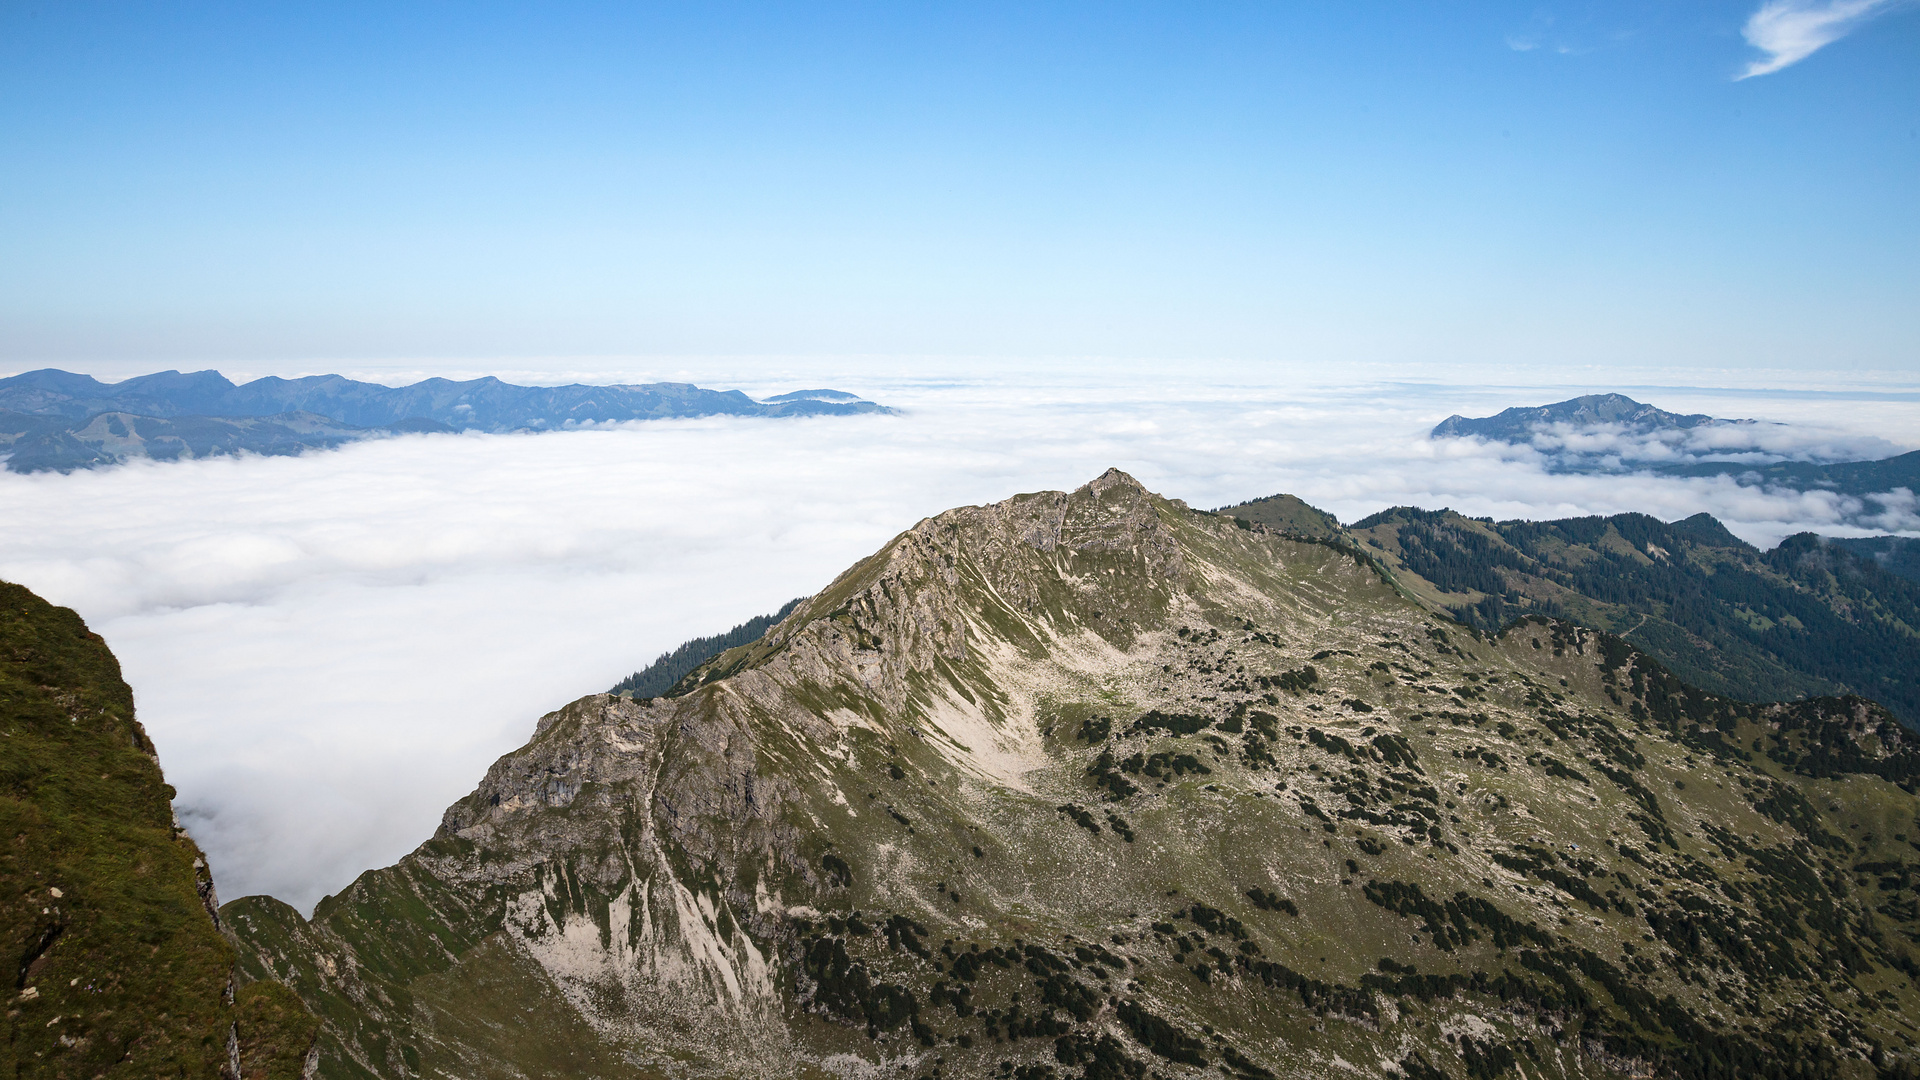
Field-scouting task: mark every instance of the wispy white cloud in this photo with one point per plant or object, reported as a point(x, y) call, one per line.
point(1580, 32)
point(1789, 31)
point(330, 649)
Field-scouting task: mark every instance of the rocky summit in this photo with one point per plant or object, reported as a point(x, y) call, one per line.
point(1094, 785)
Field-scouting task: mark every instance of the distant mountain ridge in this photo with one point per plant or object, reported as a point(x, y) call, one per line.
point(813, 395)
point(52, 419)
point(1612, 433)
point(55, 443)
point(1516, 423)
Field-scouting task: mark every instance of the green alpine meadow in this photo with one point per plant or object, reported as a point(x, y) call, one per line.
point(118, 966)
point(1094, 785)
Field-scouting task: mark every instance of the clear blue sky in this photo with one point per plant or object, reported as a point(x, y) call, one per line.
point(247, 185)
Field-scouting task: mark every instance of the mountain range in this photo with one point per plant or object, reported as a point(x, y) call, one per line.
point(57, 420)
point(1092, 785)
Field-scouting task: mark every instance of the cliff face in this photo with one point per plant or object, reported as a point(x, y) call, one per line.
point(1090, 784)
point(117, 966)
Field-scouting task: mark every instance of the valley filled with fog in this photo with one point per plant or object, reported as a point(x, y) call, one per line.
point(329, 649)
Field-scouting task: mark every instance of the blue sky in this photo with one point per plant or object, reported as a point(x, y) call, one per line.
point(312, 185)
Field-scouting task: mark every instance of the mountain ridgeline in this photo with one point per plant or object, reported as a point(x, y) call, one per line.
point(1809, 617)
point(57, 420)
point(1091, 785)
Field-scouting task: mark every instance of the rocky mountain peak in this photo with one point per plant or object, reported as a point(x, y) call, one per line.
point(1088, 785)
point(1112, 478)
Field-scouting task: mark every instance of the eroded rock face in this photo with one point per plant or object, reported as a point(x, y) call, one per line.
point(640, 955)
point(1086, 782)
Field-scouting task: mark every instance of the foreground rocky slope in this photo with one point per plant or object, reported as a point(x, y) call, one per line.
point(106, 907)
point(1090, 784)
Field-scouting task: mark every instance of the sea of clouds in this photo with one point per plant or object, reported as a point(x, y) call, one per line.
point(330, 649)
point(1627, 447)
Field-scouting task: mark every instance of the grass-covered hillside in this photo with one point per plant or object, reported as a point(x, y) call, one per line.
point(115, 965)
point(1090, 785)
point(1806, 618)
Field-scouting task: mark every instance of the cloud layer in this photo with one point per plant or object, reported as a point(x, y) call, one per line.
point(1789, 31)
point(1566, 447)
point(331, 649)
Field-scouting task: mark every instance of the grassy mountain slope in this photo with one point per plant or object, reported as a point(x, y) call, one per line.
point(117, 966)
point(1806, 618)
point(1091, 785)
